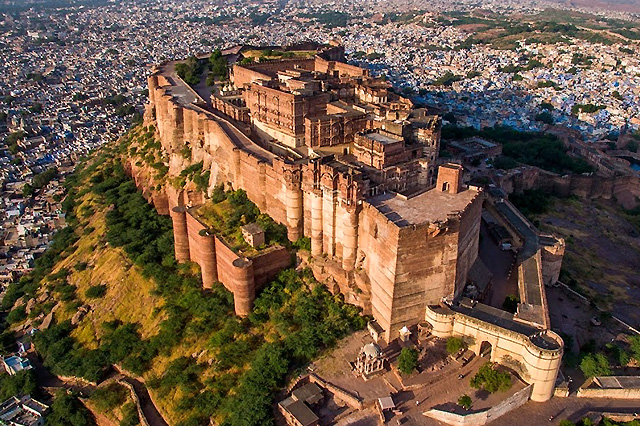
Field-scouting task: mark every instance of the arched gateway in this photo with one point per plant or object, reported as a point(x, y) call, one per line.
point(533, 353)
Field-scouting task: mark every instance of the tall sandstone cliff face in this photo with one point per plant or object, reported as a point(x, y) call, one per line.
point(391, 270)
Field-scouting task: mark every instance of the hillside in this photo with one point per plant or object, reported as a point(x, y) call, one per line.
point(119, 297)
point(603, 247)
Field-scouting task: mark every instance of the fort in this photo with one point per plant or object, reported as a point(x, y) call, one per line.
point(338, 157)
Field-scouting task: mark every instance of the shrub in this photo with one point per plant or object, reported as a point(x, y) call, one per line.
point(302, 243)
point(96, 291)
point(81, 266)
point(490, 379)
point(17, 315)
point(106, 398)
point(465, 401)
point(454, 345)
point(408, 360)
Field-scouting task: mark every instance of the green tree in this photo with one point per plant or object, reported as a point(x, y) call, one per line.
point(465, 401)
point(634, 343)
point(96, 291)
point(17, 315)
point(454, 345)
point(545, 117)
point(595, 365)
point(490, 379)
point(22, 383)
point(408, 360)
point(67, 410)
point(129, 415)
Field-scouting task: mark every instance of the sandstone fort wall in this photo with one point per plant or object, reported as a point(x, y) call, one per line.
point(312, 199)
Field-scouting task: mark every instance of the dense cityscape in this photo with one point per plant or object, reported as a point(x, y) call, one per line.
point(75, 77)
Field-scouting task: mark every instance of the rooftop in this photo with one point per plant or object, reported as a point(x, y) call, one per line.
point(309, 393)
point(618, 382)
point(427, 207)
point(299, 411)
point(383, 138)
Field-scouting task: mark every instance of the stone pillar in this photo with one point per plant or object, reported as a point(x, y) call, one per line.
point(350, 238)
point(542, 366)
point(161, 202)
point(294, 210)
point(180, 234)
point(243, 285)
point(316, 222)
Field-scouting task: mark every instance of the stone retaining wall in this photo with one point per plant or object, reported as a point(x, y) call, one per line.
point(482, 417)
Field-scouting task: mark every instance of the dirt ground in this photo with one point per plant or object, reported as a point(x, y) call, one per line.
point(603, 253)
point(435, 384)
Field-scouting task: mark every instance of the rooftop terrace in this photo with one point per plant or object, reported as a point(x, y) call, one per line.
point(427, 207)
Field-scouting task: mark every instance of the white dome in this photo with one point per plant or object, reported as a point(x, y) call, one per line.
point(372, 350)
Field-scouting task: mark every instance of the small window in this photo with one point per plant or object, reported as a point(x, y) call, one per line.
point(445, 187)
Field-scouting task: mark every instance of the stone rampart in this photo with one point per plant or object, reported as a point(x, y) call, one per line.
point(587, 187)
point(136, 401)
point(482, 417)
point(349, 399)
point(220, 263)
point(320, 198)
point(534, 363)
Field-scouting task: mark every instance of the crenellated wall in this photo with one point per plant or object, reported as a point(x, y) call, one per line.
point(535, 361)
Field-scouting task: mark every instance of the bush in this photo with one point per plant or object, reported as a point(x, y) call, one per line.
point(454, 345)
point(490, 379)
point(81, 266)
point(465, 401)
point(129, 415)
point(408, 360)
point(595, 365)
point(96, 291)
point(106, 398)
point(302, 243)
point(17, 315)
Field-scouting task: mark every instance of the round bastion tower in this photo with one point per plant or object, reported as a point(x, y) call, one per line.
point(536, 357)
